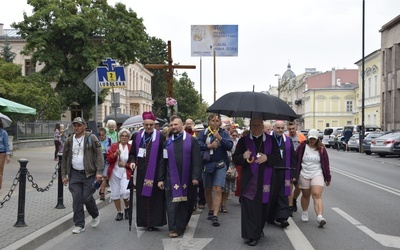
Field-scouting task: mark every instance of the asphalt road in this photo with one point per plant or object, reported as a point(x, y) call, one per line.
point(361, 209)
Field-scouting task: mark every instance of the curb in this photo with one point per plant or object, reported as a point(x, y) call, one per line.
point(50, 231)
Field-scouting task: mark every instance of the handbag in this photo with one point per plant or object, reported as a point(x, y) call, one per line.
point(231, 174)
point(209, 167)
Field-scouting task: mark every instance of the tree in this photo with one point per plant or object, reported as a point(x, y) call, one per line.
point(72, 37)
point(33, 91)
point(6, 52)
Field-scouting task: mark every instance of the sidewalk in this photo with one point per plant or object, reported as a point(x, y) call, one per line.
point(43, 220)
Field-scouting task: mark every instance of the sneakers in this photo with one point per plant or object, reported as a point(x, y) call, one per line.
point(78, 230)
point(321, 221)
point(119, 217)
point(304, 216)
point(95, 221)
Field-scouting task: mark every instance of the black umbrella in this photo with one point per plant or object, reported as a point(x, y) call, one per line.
point(120, 117)
point(130, 187)
point(248, 104)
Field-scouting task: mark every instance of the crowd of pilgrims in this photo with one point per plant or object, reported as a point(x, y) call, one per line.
point(188, 165)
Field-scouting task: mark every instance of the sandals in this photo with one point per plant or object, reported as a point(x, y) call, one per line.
point(215, 222)
point(210, 214)
point(102, 196)
point(173, 234)
point(224, 209)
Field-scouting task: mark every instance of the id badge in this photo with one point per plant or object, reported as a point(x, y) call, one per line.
point(142, 152)
point(165, 153)
point(281, 153)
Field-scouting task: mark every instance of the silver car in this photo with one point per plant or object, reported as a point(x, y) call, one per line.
point(384, 145)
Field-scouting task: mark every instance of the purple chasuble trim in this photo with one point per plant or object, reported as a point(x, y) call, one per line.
point(251, 188)
point(148, 182)
point(179, 187)
point(288, 146)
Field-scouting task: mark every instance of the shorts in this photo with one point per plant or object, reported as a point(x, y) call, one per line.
point(217, 178)
point(308, 183)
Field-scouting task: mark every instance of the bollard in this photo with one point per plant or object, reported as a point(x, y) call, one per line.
point(60, 189)
point(21, 194)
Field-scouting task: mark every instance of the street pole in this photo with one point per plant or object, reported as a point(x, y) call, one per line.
point(362, 80)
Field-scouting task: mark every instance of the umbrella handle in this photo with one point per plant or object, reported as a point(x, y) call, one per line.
point(250, 161)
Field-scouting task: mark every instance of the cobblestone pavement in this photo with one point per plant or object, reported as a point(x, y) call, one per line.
point(41, 216)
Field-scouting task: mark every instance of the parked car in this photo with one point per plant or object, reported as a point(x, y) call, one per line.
point(336, 132)
point(384, 145)
point(396, 147)
point(354, 142)
point(367, 141)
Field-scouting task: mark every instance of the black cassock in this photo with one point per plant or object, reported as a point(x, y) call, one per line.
point(150, 211)
point(179, 213)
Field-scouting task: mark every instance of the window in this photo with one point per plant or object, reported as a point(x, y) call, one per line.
point(349, 106)
point(369, 93)
point(29, 67)
point(376, 85)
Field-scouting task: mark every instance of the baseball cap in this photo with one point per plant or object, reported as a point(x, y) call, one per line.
point(313, 133)
point(79, 120)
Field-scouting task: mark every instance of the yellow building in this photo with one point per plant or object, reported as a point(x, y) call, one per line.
point(329, 106)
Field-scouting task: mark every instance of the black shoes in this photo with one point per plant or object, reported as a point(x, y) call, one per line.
point(252, 242)
point(210, 214)
point(284, 223)
point(294, 205)
point(119, 217)
point(215, 222)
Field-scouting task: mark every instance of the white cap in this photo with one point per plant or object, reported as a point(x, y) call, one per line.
point(313, 133)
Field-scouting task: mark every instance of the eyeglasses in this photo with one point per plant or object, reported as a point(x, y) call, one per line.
point(102, 134)
point(148, 125)
point(234, 135)
point(124, 136)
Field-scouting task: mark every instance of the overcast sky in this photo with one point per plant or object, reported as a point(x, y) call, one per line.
point(317, 34)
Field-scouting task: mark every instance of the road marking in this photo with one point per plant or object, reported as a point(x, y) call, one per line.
point(367, 181)
point(187, 242)
point(296, 237)
point(384, 240)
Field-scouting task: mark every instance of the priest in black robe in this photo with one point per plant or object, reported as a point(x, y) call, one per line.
point(252, 153)
point(179, 176)
point(146, 157)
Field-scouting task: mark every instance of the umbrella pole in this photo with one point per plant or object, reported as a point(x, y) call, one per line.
point(130, 202)
point(114, 103)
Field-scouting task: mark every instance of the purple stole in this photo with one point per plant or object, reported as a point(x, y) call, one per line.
point(151, 166)
point(288, 146)
point(251, 188)
point(179, 186)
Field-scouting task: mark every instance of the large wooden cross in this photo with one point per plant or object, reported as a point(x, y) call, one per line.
point(170, 69)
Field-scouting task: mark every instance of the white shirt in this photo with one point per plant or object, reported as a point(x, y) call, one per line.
point(77, 152)
point(311, 164)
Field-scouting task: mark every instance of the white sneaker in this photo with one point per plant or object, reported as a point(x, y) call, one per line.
point(321, 221)
point(95, 221)
point(304, 216)
point(78, 230)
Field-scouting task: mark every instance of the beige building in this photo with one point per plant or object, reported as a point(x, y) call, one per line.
point(390, 48)
point(372, 86)
point(134, 99)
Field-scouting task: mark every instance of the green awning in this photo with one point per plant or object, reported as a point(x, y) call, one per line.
point(7, 106)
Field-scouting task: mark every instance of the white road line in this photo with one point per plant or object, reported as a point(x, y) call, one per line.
point(296, 237)
point(367, 181)
point(384, 240)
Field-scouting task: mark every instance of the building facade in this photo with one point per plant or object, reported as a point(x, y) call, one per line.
point(390, 48)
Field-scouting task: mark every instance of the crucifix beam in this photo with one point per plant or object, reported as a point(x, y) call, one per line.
point(170, 69)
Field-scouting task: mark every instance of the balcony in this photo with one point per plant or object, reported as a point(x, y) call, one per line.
point(138, 94)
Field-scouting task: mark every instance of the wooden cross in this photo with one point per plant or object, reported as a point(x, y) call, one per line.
point(170, 69)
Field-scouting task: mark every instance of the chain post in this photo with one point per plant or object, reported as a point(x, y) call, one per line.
point(60, 189)
point(21, 196)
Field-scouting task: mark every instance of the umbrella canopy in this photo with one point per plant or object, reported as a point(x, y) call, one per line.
point(120, 117)
point(133, 121)
point(7, 106)
point(5, 120)
point(248, 104)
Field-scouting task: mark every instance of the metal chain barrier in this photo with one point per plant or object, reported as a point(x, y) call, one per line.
point(35, 185)
point(13, 186)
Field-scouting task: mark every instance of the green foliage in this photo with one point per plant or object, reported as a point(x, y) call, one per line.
point(33, 91)
point(6, 52)
point(72, 37)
